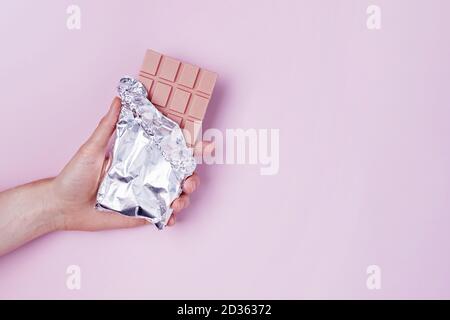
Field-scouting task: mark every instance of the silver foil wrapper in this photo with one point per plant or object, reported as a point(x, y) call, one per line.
point(150, 160)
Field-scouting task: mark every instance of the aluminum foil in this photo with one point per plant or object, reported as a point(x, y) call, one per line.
point(149, 162)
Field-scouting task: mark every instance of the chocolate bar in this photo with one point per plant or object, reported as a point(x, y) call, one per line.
point(181, 91)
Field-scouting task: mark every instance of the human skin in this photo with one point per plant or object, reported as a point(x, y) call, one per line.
point(66, 202)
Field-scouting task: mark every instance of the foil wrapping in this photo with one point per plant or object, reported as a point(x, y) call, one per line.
point(150, 160)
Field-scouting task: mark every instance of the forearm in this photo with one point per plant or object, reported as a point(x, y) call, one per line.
point(25, 214)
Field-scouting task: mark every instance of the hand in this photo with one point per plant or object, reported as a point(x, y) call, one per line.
point(73, 191)
point(67, 201)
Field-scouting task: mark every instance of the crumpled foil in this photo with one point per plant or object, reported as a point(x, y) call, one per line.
point(150, 160)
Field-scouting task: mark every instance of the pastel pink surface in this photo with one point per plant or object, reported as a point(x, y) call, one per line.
point(364, 147)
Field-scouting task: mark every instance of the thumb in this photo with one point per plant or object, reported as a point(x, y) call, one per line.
point(100, 137)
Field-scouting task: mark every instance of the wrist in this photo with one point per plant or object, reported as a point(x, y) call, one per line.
point(50, 212)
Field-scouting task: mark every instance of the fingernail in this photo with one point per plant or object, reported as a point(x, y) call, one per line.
point(113, 104)
point(196, 184)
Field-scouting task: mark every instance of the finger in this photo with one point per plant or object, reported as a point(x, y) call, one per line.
point(191, 184)
point(106, 165)
point(172, 220)
point(102, 220)
point(204, 148)
point(100, 138)
point(181, 203)
point(116, 221)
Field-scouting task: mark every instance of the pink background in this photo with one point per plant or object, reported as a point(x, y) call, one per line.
point(364, 146)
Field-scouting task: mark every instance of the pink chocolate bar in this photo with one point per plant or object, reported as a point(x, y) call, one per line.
point(180, 90)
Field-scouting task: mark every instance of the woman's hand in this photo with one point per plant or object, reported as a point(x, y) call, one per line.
point(67, 201)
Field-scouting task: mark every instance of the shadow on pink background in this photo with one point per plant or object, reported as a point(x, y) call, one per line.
point(364, 146)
